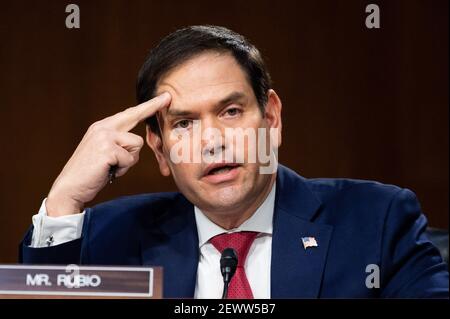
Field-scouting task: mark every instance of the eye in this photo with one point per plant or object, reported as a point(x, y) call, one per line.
point(232, 112)
point(183, 124)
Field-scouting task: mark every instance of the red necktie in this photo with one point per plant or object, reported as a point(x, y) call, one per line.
point(239, 287)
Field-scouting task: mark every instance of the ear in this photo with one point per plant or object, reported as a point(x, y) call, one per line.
point(272, 113)
point(155, 143)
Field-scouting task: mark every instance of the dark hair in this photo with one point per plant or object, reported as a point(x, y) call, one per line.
point(184, 44)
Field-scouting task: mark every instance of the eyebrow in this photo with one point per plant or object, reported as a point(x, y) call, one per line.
point(230, 98)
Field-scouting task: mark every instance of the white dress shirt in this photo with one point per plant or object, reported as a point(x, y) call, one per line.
point(257, 265)
point(51, 231)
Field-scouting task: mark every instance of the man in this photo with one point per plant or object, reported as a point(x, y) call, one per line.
point(294, 237)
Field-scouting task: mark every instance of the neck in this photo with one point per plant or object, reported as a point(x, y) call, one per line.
point(235, 218)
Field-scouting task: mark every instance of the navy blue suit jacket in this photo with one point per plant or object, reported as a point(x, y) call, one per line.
point(355, 223)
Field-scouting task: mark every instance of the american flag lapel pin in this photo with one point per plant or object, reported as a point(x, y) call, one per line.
point(309, 242)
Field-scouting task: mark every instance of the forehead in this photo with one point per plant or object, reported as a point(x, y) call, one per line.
point(205, 78)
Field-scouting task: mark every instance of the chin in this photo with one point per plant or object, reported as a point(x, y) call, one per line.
point(225, 198)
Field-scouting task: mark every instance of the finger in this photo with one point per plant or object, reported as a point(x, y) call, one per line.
point(129, 141)
point(125, 160)
point(122, 160)
point(121, 171)
point(128, 119)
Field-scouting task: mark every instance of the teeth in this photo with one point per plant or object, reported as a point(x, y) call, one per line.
point(221, 170)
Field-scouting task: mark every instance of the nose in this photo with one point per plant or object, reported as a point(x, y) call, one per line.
point(213, 150)
point(213, 141)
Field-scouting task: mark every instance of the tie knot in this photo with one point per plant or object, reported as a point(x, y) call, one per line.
point(240, 242)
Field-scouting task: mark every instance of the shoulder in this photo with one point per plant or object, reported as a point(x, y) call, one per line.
point(363, 200)
point(122, 223)
point(136, 208)
point(328, 189)
point(138, 201)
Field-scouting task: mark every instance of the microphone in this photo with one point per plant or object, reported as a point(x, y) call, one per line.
point(228, 264)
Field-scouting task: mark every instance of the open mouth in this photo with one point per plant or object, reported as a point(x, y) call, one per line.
point(221, 168)
point(221, 172)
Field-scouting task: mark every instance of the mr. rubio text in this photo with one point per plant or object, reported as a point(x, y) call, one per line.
point(66, 280)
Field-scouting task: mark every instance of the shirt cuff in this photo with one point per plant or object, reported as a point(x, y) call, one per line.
point(51, 231)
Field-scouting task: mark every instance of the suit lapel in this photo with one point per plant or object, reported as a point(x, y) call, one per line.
point(173, 244)
point(296, 272)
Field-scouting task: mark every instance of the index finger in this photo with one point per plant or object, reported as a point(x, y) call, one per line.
point(128, 119)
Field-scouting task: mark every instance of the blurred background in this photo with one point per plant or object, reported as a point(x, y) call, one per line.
point(357, 102)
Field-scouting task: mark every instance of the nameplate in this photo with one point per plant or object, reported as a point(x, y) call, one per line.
point(72, 281)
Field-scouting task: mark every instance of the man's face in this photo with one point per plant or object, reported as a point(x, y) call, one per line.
point(211, 92)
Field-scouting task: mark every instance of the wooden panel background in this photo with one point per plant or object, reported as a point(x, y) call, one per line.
point(359, 103)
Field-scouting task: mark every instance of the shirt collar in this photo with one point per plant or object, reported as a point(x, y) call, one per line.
point(260, 221)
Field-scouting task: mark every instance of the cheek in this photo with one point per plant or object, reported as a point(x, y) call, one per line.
point(184, 173)
point(260, 128)
point(180, 177)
